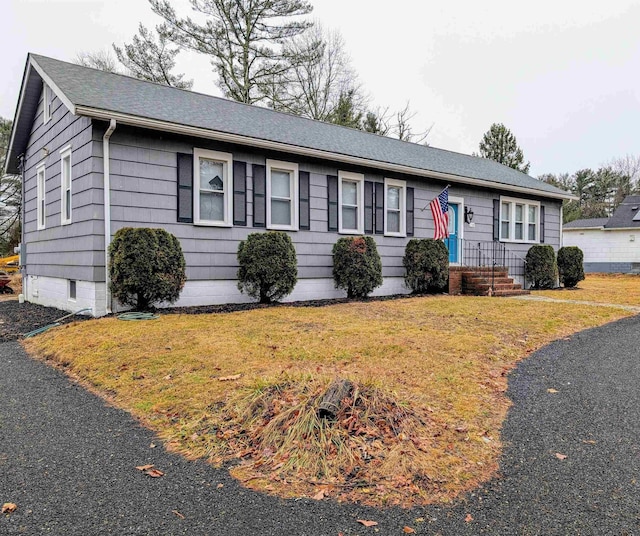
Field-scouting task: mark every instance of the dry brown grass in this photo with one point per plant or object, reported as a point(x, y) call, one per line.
point(423, 427)
point(623, 289)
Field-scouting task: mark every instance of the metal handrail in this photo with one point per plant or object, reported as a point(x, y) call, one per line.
point(493, 254)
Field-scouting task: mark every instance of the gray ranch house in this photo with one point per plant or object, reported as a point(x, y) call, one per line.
point(99, 151)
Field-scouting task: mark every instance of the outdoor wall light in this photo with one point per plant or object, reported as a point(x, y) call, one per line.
point(468, 215)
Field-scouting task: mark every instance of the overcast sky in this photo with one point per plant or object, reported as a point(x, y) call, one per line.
point(562, 75)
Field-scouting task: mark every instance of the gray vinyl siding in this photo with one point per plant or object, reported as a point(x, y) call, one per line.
point(70, 251)
point(143, 193)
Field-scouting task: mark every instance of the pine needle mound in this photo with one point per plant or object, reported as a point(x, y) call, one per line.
point(371, 452)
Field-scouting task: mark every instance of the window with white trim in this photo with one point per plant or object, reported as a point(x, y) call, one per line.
point(65, 185)
point(350, 202)
point(46, 102)
point(395, 196)
point(40, 193)
point(519, 220)
point(212, 190)
point(282, 195)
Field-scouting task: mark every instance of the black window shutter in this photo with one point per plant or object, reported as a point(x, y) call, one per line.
point(379, 208)
point(304, 205)
point(185, 187)
point(239, 193)
point(259, 195)
point(496, 219)
point(542, 224)
point(332, 198)
point(410, 211)
point(368, 207)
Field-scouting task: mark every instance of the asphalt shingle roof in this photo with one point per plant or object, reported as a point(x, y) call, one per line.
point(624, 215)
point(116, 93)
point(588, 222)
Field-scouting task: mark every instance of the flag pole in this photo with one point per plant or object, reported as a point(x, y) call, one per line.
point(445, 188)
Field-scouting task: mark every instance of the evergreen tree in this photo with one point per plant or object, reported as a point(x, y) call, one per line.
point(244, 39)
point(500, 144)
point(149, 59)
point(346, 113)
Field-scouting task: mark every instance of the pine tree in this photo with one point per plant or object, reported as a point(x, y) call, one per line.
point(500, 144)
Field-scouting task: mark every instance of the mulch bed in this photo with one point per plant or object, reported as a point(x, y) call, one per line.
point(16, 318)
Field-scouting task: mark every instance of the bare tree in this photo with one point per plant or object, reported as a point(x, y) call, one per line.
point(101, 59)
point(403, 130)
point(10, 196)
point(244, 38)
point(149, 59)
point(320, 74)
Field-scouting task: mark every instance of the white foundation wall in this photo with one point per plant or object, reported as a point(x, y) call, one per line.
point(221, 292)
point(54, 292)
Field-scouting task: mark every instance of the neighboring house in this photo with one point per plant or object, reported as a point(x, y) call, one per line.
point(100, 151)
point(612, 244)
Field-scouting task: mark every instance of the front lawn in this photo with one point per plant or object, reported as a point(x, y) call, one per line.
point(622, 289)
point(422, 423)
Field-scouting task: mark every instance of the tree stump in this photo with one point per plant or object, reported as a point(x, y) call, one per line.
point(330, 403)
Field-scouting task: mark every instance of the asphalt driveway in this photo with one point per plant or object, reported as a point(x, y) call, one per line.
point(69, 461)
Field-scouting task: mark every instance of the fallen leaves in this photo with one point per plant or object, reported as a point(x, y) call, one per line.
point(367, 523)
point(561, 456)
point(178, 514)
point(150, 470)
point(408, 530)
point(468, 519)
point(552, 391)
point(589, 441)
point(319, 496)
point(8, 508)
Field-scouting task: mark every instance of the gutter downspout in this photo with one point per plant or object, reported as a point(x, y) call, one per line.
point(107, 209)
point(23, 246)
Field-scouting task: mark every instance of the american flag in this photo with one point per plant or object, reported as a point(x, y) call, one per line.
point(440, 210)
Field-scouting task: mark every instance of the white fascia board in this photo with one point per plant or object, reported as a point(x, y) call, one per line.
point(304, 151)
point(31, 64)
point(70, 106)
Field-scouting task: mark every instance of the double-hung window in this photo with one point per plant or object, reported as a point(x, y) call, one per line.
point(350, 202)
point(395, 194)
point(65, 185)
point(282, 195)
point(519, 220)
point(40, 194)
point(212, 180)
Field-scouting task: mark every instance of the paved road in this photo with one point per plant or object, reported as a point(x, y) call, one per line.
point(68, 461)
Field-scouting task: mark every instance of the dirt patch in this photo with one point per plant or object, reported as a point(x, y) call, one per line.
point(16, 319)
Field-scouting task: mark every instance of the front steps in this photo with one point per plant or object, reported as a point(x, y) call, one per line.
point(478, 282)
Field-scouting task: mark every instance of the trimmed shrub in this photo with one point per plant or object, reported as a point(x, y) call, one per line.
point(570, 265)
point(541, 268)
point(356, 266)
point(426, 262)
point(146, 267)
point(268, 266)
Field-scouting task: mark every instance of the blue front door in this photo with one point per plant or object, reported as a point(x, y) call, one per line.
point(452, 242)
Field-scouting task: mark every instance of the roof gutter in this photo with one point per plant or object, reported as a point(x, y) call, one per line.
point(107, 208)
point(166, 126)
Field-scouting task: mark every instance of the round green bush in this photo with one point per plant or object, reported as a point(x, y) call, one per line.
point(570, 265)
point(356, 266)
point(541, 269)
point(146, 267)
point(268, 266)
point(426, 262)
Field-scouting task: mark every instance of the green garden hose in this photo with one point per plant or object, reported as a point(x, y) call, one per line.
point(137, 316)
point(52, 325)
